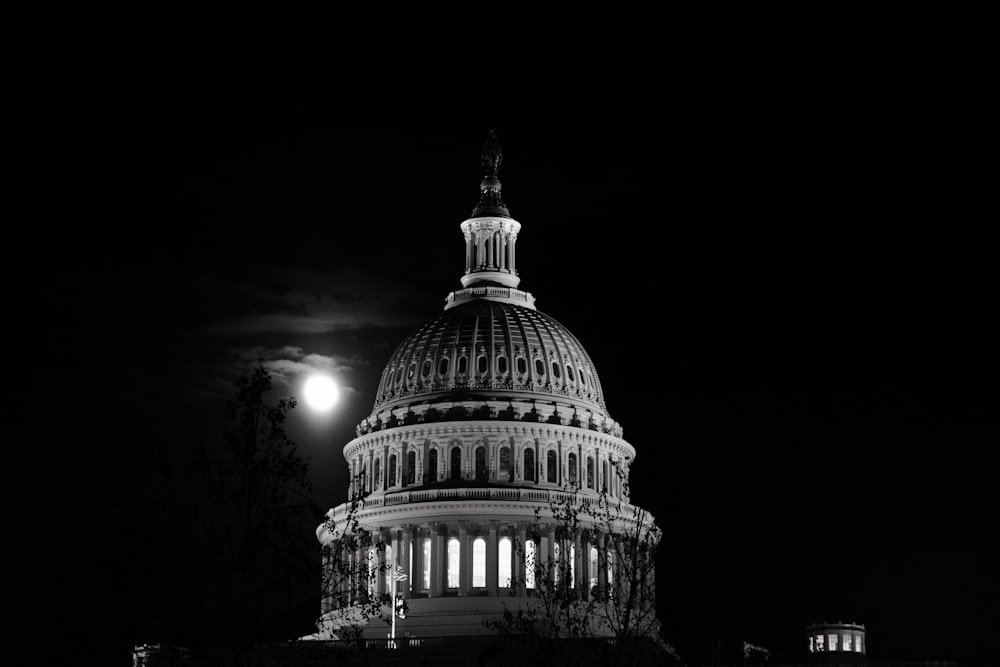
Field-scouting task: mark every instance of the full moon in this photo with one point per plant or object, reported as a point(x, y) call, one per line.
point(321, 392)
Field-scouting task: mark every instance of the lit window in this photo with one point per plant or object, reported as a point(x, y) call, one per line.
point(426, 564)
point(593, 568)
point(611, 573)
point(831, 642)
point(372, 571)
point(819, 643)
point(555, 563)
point(388, 568)
point(503, 563)
point(529, 563)
point(847, 643)
point(811, 648)
point(453, 553)
point(857, 644)
point(479, 563)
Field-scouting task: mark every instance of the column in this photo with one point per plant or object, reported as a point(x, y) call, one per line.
point(404, 560)
point(468, 252)
point(517, 562)
point(464, 558)
point(437, 567)
point(492, 556)
point(417, 565)
point(513, 240)
point(602, 560)
point(503, 250)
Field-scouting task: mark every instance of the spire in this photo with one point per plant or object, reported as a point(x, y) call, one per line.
point(490, 203)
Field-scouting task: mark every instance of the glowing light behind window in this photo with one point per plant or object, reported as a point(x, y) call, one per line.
point(529, 563)
point(479, 563)
point(426, 564)
point(453, 551)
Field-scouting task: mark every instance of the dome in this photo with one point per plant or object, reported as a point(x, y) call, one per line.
point(489, 349)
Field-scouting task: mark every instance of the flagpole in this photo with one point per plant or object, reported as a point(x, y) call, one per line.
point(392, 607)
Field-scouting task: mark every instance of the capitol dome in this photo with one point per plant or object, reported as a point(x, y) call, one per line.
point(486, 418)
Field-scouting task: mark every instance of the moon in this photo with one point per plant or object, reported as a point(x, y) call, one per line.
point(321, 392)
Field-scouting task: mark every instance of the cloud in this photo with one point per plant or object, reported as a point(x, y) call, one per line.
point(290, 365)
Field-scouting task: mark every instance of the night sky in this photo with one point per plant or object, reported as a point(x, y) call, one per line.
point(780, 264)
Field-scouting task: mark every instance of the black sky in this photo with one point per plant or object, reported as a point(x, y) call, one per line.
point(776, 251)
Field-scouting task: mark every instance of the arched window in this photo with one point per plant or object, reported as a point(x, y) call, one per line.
point(569, 373)
point(378, 477)
point(604, 476)
point(432, 464)
point(425, 563)
point(522, 365)
point(572, 468)
point(555, 369)
point(481, 363)
point(529, 465)
point(463, 365)
point(502, 365)
point(583, 379)
point(443, 366)
point(413, 371)
point(503, 563)
point(590, 472)
point(454, 551)
point(611, 572)
point(503, 474)
point(427, 368)
point(551, 467)
point(479, 563)
point(456, 463)
point(592, 581)
point(482, 474)
point(399, 374)
point(529, 564)
point(411, 467)
point(391, 481)
point(539, 367)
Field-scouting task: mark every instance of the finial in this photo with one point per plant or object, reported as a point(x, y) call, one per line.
point(492, 155)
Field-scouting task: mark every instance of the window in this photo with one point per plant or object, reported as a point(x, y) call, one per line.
point(555, 563)
point(443, 366)
point(432, 464)
point(611, 572)
point(392, 472)
point(425, 563)
point(522, 365)
point(427, 368)
point(604, 476)
point(463, 365)
point(529, 563)
point(819, 643)
point(539, 367)
point(502, 365)
point(453, 553)
point(572, 468)
point(504, 471)
point(831, 642)
point(583, 380)
point(593, 568)
point(482, 474)
point(411, 467)
point(479, 563)
point(555, 370)
point(590, 472)
point(569, 372)
point(378, 469)
point(857, 644)
point(413, 371)
point(811, 649)
point(504, 562)
point(456, 463)
point(482, 363)
point(372, 570)
point(551, 466)
point(529, 465)
point(399, 374)
point(847, 643)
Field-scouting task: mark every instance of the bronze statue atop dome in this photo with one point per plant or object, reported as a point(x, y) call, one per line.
point(492, 155)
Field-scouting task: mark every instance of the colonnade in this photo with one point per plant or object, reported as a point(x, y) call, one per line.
point(439, 561)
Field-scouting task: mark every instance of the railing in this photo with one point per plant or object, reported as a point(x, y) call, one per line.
point(504, 292)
